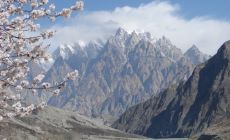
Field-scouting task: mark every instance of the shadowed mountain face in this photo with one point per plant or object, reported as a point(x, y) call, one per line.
point(187, 109)
point(126, 70)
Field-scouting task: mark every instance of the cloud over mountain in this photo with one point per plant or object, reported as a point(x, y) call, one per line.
point(159, 18)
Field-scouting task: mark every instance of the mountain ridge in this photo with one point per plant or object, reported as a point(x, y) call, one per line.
point(187, 109)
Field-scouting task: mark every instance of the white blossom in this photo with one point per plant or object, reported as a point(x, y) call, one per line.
point(56, 92)
point(3, 73)
point(37, 13)
point(34, 4)
point(42, 105)
point(46, 85)
point(1, 118)
point(52, 7)
point(44, 2)
point(23, 1)
point(22, 43)
point(30, 108)
point(3, 104)
point(10, 114)
point(17, 107)
point(18, 96)
point(34, 91)
point(66, 12)
point(24, 83)
point(19, 88)
point(39, 78)
point(72, 75)
point(18, 104)
point(78, 6)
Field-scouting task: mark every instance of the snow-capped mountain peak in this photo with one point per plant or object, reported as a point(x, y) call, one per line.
point(145, 36)
point(64, 51)
point(164, 42)
point(121, 32)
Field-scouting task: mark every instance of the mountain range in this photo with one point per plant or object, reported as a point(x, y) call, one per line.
point(199, 105)
point(127, 69)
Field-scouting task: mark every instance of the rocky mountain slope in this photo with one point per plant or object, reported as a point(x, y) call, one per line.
point(188, 109)
point(55, 124)
point(218, 131)
point(195, 55)
point(126, 70)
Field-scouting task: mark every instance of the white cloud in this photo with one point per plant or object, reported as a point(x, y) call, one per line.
point(158, 18)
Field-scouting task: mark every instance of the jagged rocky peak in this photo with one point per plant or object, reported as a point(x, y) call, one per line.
point(121, 33)
point(124, 35)
point(93, 48)
point(132, 40)
point(169, 49)
point(194, 48)
point(64, 51)
point(165, 42)
point(147, 36)
point(195, 55)
point(67, 50)
point(134, 36)
point(94, 44)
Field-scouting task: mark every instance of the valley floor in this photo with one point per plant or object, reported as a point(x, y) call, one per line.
point(122, 138)
point(56, 124)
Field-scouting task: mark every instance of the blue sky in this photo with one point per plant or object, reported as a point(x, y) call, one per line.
point(213, 8)
point(189, 8)
point(205, 23)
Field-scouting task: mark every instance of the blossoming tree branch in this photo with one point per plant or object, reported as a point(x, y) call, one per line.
point(23, 42)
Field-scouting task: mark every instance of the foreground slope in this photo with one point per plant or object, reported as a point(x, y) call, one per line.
point(218, 131)
point(55, 124)
point(188, 109)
